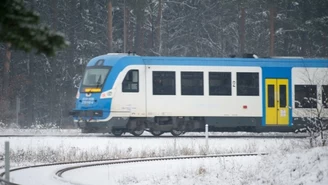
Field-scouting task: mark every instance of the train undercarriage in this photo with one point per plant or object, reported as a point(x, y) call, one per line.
point(174, 125)
point(180, 125)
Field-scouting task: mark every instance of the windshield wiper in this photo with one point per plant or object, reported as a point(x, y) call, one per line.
point(98, 82)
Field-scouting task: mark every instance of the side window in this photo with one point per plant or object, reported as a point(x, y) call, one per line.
point(282, 95)
point(220, 83)
point(163, 83)
point(192, 83)
point(248, 84)
point(271, 97)
point(131, 81)
point(325, 96)
point(305, 96)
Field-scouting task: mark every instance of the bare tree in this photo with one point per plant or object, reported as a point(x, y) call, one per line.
point(311, 103)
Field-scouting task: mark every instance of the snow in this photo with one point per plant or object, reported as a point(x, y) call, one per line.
point(194, 171)
point(296, 168)
point(37, 176)
point(291, 161)
point(40, 131)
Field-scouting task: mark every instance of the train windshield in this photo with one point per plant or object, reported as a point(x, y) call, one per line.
point(95, 77)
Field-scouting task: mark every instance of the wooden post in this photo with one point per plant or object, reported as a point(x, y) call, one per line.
point(7, 161)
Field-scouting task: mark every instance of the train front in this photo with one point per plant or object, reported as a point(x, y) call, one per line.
point(93, 99)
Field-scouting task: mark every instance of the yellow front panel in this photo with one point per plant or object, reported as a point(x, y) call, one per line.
point(271, 101)
point(283, 107)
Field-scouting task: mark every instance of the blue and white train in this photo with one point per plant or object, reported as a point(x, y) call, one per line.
point(122, 93)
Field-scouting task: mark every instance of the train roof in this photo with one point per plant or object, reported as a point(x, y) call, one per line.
point(128, 59)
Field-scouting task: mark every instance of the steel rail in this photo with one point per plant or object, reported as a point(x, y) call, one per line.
point(156, 137)
point(112, 161)
point(5, 182)
point(59, 173)
point(58, 163)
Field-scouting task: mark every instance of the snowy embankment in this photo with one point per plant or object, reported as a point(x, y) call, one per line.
point(291, 161)
point(57, 131)
point(309, 167)
point(35, 150)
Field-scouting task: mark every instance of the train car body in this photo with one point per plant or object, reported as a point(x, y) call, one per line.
point(126, 93)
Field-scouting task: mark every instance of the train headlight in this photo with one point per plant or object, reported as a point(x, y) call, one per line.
point(106, 94)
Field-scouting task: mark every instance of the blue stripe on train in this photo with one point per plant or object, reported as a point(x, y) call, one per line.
point(119, 62)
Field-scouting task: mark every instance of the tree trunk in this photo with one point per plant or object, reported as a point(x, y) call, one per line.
point(242, 31)
point(303, 43)
point(324, 45)
point(52, 87)
point(304, 33)
point(150, 38)
point(6, 70)
point(272, 15)
point(124, 28)
point(287, 35)
point(129, 30)
point(142, 48)
point(159, 20)
point(4, 98)
point(140, 14)
point(110, 26)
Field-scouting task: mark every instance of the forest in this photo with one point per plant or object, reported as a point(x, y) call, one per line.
point(46, 85)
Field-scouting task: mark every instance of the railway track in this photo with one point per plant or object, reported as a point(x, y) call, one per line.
point(4, 182)
point(92, 163)
point(60, 172)
point(159, 137)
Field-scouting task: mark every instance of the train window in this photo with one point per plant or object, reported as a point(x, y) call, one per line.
point(271, 98)
point(324, 95)
point(220, 83)
point(131, 81)
point(95, 77)
point(305, 96)
point(192, 83)
point(283, 96)
point(163, 83)
point(248, 84)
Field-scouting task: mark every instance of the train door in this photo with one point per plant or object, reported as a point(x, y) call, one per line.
point(276, 102)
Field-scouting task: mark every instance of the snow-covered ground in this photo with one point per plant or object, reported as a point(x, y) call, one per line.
point(57, 149)
point(291, 161)
point(43, 132)
point(297, 168)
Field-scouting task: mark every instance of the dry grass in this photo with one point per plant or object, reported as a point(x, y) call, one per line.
point(62, 153)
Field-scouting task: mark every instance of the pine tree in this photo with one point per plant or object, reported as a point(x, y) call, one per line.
point(22, 30)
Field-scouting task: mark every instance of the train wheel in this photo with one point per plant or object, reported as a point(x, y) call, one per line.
point(137, 132)
point(175, 132)
point(156, 132)
point(117, 133)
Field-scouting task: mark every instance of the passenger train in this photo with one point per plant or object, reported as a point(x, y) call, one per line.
point(126, 93)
